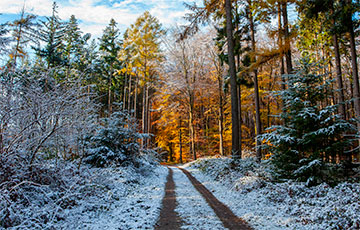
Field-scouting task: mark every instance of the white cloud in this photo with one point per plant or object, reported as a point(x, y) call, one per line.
point(96, 14)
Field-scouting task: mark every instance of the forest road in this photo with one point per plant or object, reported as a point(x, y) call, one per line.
point(170, 220)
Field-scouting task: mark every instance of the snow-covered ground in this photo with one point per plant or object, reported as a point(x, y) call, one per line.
point(248, 192)
point(132, 200)
point(123, 198)
point(195, 213)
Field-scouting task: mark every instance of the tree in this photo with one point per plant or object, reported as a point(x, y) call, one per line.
point(310, 133)
point(323, 13)
point(251, 12)
point(218, 63)
point(287, 37)
point(236, 130)
point(110, 46)
point(24, 31)
point(74, 44)
point(52, 35)
point(144, 35)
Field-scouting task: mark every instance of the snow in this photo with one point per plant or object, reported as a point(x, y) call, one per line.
point(248, 191)
point(195, 213)
point(132, 201)
point(126, 197)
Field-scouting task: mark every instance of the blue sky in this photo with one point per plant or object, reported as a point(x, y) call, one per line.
point(94, 15)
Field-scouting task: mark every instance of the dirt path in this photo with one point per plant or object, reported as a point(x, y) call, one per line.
point(168, 217)
point(170, 220)
point(228, 218)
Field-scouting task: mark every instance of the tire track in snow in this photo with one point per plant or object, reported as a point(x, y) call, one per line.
point(168, 217)
point(195, 212)
point(228, 218)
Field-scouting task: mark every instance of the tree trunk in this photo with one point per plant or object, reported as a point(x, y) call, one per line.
point(282, 66)
point(191, 127)
point(129, 94)
point(180, 143)
point(221, 116)
point(124, 90)
point(340, 93)
point(287, 52)
point(145, 110)
point(136, 96)
point(256, 88)
point(239, 117)
point(171, 153)
point(236, 147)
point(148, 115)
point(109, 94)
point(355, 73)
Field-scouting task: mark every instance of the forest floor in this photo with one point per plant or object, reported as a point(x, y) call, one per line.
point(218, 194)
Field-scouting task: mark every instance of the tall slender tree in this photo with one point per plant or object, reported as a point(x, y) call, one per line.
point(109, 47)
point(52, 34)
point(236, 131)
point(24, 31)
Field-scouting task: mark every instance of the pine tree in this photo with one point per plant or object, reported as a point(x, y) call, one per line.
point(52, 34)
point(110, 46)
point(310, 133)
point(74, 44)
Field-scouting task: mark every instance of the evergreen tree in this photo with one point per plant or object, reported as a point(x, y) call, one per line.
point(74, 44)
point(52, 34)
point(110, 45)
point(310, 132)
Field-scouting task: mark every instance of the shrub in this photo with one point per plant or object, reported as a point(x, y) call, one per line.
point(114, 141)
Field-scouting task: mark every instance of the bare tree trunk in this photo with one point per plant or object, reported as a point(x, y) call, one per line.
point(221, 116)
point(288, 60)
point(109, 95)
point(136, 96)
point(148, 117)
point(239, 117)
point(129, 95)
point(355, 73)
point(180, 143)
point(171, 152)
point(282, 66)
point(256, 88)
point(124, 90)
point(143, 115)
point(340, 93)
point(191, 127)
point(236, 147)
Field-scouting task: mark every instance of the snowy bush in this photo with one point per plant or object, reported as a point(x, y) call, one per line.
point(41, 118)
point(41, 122)
point(114, 141)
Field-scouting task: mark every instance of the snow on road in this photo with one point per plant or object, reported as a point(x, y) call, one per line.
point(196, 214)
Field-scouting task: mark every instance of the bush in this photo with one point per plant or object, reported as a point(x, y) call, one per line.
point(114, 141)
